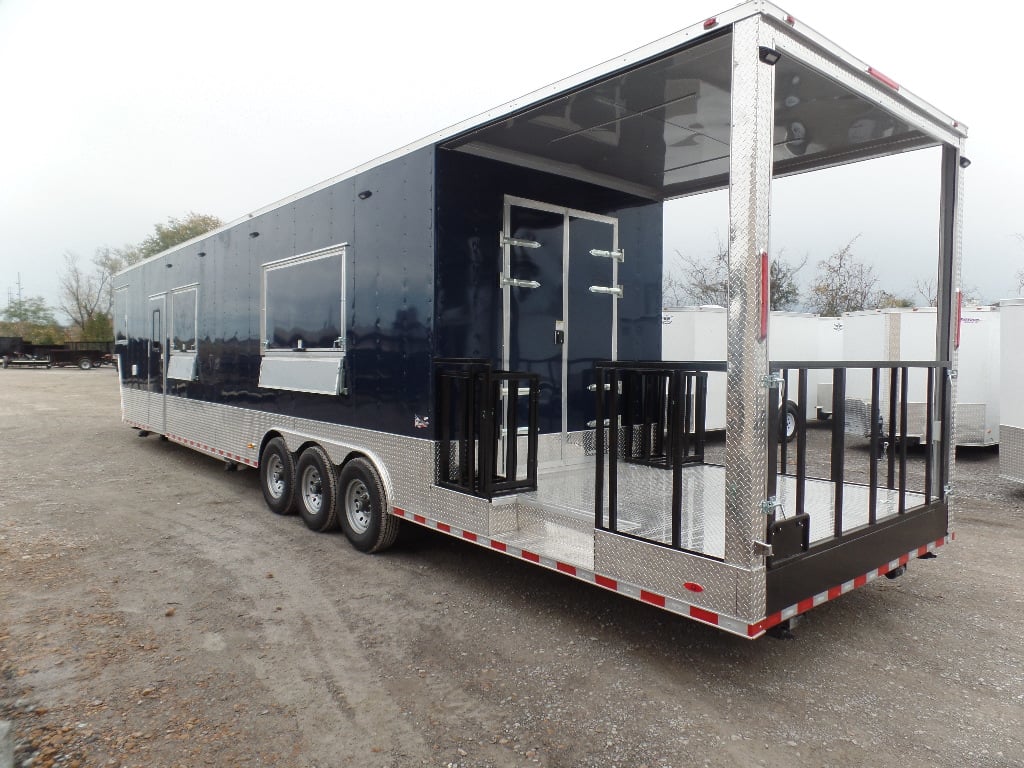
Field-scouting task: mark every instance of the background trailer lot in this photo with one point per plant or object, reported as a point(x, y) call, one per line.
point(154, 613)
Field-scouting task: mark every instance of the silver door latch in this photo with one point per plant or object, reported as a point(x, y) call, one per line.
point(515, 241)
point(505, 281)
point(618, 255)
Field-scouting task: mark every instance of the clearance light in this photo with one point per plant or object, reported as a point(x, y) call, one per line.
point(883, 79)
point(693, 586)
point(712, 22)
point(790, 20)
point(764, 295)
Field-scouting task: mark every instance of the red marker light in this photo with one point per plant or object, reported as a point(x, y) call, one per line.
point(790, 20)
point(712, 22)
point(764, 294)
point(693, 586)
point(883, 79)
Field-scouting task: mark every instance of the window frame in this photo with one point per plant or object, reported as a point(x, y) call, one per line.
point(341, 344)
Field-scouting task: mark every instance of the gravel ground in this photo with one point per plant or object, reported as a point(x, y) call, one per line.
point(154, 613)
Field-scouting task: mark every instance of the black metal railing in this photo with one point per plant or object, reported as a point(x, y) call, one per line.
point(887, 429)
point(661, 409)
point(480, 423)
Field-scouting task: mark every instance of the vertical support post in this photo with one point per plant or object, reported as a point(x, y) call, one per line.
point(613, 451)
point(875, 417)
point(950, 229)
point(838, 445)
point(893, 395)
point(676, 430)
point(750, 172)
point(929, 415)
point(599, 449)
point(904, 380)
point(801, 443)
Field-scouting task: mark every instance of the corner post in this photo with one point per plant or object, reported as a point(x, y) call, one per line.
point(746, 444)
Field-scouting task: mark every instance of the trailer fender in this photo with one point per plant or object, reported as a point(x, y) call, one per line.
point(339, 453)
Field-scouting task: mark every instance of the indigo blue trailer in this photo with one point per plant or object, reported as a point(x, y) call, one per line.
point(465, 335)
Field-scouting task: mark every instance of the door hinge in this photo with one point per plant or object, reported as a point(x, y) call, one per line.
point(763, 548)
point(953, 374)
point(618, 255)
point(772, 381)
point(505, 281)
point(616, 291)
point(607, 387)
point(515, 241)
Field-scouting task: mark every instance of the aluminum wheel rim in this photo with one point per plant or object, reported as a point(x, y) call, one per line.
point(312, 490)
point(790, 424)
point(275, 476)
point(357, 506)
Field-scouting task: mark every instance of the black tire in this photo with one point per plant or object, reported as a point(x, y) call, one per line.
point(789, 422)
point(85, 364)
point(362, 508)
point(277, 477)
point(316, 489)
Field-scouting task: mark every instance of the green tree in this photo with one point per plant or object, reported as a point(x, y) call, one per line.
point(168, 235)
point(32, 319)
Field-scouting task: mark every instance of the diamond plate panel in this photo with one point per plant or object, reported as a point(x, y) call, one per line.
point(971, 426)
point(1011, 453)
point(665, 571)
point(750, 167)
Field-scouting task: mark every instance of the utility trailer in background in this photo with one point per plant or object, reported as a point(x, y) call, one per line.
point(17, 353)
point(908, 334)
point(1011, 410)
point(465, 334)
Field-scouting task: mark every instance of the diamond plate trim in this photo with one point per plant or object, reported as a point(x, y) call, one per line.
point(1011, 453)
point(750, 167)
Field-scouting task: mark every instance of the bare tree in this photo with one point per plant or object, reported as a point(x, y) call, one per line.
point(843, 283)
point(706, 280)
point(83, 293)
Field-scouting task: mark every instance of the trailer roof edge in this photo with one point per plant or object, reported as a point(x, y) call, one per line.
point(688, 35)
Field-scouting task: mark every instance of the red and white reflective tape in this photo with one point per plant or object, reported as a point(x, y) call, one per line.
point(831, 594)
point(668, 603)
point(202, 447)
point(672, 604)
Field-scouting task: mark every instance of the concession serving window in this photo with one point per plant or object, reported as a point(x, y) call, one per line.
point(302, 322)
point(184, 305)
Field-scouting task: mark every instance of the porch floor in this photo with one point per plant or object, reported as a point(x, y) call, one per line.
point(645, 494)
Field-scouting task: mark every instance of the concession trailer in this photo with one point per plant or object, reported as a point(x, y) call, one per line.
point(466, 334)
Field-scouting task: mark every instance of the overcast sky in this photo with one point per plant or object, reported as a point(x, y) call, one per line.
point(117, 114)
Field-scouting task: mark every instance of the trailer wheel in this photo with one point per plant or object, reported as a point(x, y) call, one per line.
point(317, 489)
point(364, 517)
point(277, 477)
point(789, 421)
point(85, 364)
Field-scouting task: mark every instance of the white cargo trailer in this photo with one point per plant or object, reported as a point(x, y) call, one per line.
point(908, 334)
point(1011, 409)
point(698, 333)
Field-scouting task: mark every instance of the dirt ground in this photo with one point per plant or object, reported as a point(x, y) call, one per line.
point(154, 613)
